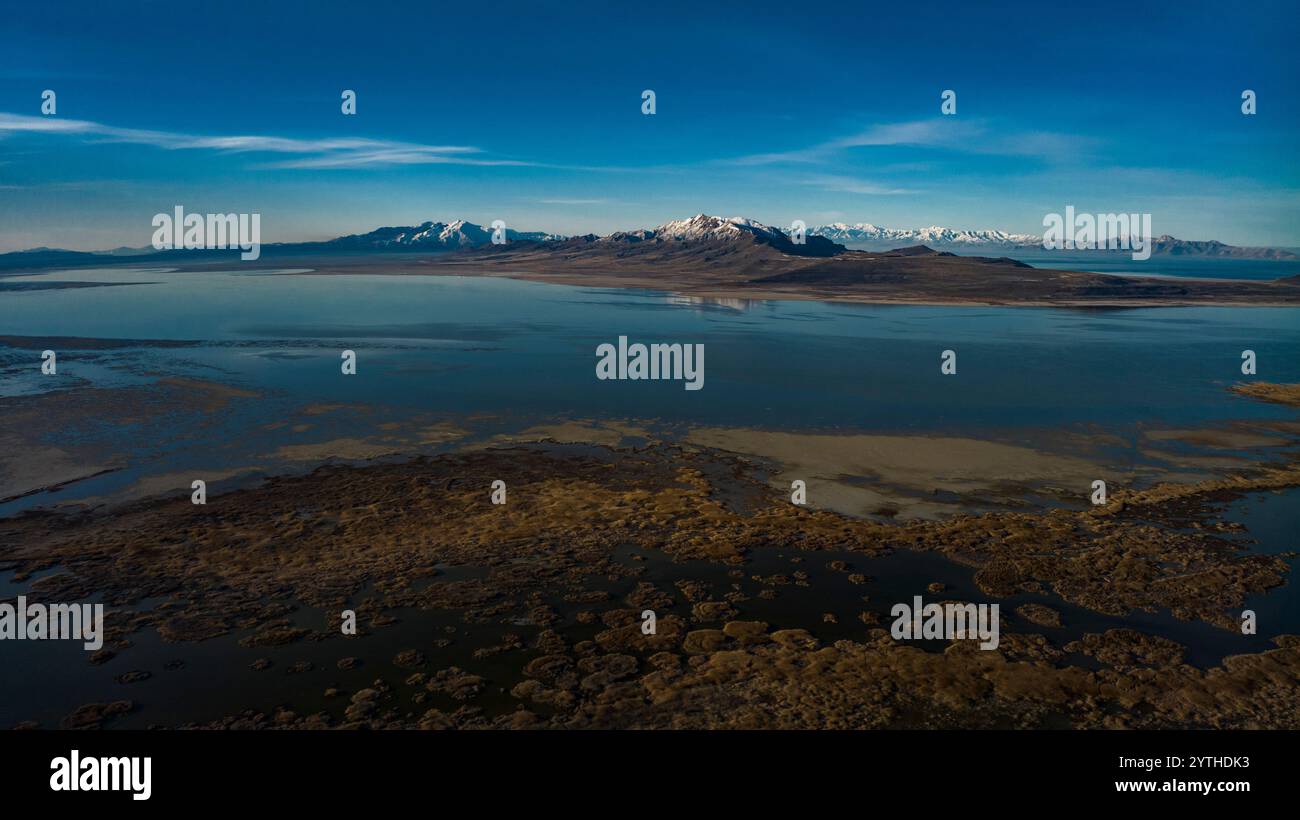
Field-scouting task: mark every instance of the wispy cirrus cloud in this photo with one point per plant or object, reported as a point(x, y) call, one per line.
point(966, 136)
point(573, 201)
point(852, 185)
point(316, 153)
point(377, 157)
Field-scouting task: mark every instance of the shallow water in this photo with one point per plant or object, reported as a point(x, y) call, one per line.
point(523, 353)
point(509, 354)
point(454, 346)
point(1123, 263)
point(1196, 267)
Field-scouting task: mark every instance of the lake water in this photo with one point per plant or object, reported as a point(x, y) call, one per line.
point(525, 353)
point(1123, 263)
point(518, 353)
point(482, 343)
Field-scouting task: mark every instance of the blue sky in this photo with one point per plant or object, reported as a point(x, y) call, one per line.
point(531, 113)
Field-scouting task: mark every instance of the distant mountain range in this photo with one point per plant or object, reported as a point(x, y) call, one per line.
point(713, 256)
point(865, 233)
point(1210, 247)
point(936, 236)
point(457, 234)
point(702, 227)
point(820, 241)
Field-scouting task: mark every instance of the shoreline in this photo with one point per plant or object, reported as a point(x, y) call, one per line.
point(745, 279)
point(614, 282)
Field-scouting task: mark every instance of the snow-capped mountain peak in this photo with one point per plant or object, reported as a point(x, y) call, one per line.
point(458, 233)
point(865, 233)
point(705, 227)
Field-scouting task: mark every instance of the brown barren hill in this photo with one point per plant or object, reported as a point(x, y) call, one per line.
point(920, 274)
point(756, 269)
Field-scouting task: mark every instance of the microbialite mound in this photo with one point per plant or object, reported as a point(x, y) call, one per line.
point(590, 537)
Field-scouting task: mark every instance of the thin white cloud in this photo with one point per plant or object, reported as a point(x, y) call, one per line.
point(966, 136)
point(817, 153)
point(386, 156)
point(852, 185)
point(313, 153)
point(920, 132)
point(573, 201)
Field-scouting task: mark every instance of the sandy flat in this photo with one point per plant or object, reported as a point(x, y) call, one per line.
point(167, 483)
point(1235, 439)
point(210, 395)
point(26, 467)
point(1268, 391)
point(607, 433)
point(357, 449)
point(440, 433)
point(837, 467)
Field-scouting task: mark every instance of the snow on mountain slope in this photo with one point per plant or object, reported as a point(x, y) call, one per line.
point(456, 234)
point(933, 235)
point(704, 227)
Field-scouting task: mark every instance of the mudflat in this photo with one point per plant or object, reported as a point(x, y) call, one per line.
point(769, 614)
